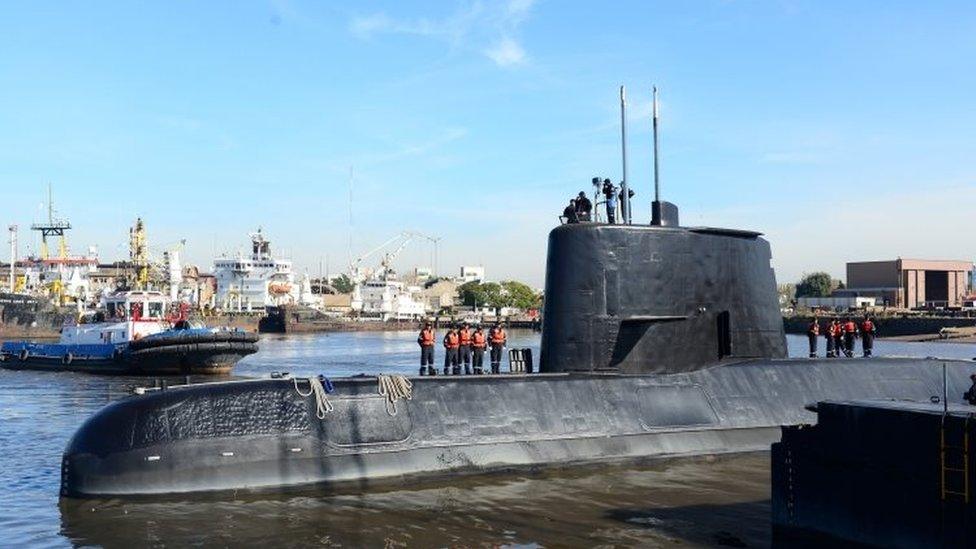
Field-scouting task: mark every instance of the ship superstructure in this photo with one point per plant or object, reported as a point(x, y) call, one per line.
point(249, 283)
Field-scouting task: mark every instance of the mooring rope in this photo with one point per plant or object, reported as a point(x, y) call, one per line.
point(322, 404)
point(394, 387)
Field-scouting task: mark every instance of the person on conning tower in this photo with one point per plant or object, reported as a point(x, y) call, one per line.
point(584, 207)
point(569, 212)
point(610, 191)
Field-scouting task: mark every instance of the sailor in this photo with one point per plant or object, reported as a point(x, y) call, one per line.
point(451, 344)
point(867, 335)
point(497, 338)
point(584, 207)
point(830, 334)
point(426, 342)
point(630, 194)
point(569, 213)
point(478, 344)
point(850, 332)
point(838, 338)
point(464, 339)
point(813, 332)
point(970, 395)
point(610, 192)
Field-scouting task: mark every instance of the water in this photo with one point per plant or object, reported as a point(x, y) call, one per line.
point(689, 502)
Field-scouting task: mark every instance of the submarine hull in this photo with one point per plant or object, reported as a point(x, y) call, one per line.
point(263, 434)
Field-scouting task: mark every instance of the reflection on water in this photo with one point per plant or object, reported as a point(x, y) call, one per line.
point(698, 501)
point(694, 501)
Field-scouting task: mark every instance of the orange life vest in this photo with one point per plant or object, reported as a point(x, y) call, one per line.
point(833, 330)
point(867, 327)
point(451, 341)
point(478, 340)
point(465, 337)
point(850, 327)
point(814, 328)
point(498, 337)
point(427, 338)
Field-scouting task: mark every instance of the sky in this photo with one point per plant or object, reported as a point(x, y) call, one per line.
point(843, 131)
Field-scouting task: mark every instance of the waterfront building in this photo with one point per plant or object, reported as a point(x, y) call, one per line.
point(440, 295)
point(910, 283)
point(61, 279)
point(838, 303)
point(472, 273)
point(249, 283)
point(384, 299)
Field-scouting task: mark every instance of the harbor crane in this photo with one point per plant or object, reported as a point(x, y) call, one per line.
point(357, 273)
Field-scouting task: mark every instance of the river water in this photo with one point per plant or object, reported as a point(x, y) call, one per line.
point(688, 502)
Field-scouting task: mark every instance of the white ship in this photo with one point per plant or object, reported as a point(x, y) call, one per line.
point(251, 283)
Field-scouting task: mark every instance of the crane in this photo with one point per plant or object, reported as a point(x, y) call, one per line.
point(358, 274)
point(388, 272)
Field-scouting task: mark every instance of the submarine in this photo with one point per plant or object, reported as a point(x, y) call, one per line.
point(658, 340)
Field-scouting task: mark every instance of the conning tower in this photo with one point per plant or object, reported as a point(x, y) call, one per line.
point(657, 298)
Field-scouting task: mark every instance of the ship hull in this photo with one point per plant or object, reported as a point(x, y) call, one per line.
point(264, 435)
point(190, 354)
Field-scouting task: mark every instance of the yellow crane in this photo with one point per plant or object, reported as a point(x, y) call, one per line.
point(139, 254)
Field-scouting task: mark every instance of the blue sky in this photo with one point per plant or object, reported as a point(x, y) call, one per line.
point(475, 122)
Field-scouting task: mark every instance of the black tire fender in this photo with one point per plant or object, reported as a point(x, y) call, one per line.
point(24, 355)
point(68, 358)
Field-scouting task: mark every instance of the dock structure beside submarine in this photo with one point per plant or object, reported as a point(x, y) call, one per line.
point(658, 340)
point(876, 473)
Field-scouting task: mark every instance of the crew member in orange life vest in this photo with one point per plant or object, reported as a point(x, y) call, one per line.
point(830, 334)
point(850, 332)
point(867, 335)
point(838, 339)
point(426, 342)
point(451, 345)
point(497, 339)
point(464, 338)
point(478, 344)
point(813, 332)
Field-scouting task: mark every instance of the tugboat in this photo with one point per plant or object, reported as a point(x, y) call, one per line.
point(131, 334)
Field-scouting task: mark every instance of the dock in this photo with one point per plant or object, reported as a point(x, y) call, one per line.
point(879, 473)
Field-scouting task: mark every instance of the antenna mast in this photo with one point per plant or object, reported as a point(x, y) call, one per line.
point(662, 213)
point(657, 184)
point(625, 194)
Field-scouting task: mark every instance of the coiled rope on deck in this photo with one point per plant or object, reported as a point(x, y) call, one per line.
point(393, 388)
point(319, 387)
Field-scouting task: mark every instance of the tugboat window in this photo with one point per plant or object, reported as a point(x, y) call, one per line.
point(155, 309)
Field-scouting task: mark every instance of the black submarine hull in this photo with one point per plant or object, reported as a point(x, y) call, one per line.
point(262, 434)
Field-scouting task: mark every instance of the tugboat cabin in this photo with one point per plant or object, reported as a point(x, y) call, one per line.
point(124, 316)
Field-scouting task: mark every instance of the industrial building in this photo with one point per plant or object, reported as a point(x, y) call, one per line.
point(910, 283)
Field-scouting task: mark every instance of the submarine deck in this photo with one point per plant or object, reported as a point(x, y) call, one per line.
point(261, 434)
